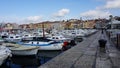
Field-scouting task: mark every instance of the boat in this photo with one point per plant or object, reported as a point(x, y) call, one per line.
point(13, 38)
point(59, 38)
point(4, 54)
point(40, 33)
point(113, 27)
point(43, 43)
point(4, 34)
point(1, 40)
point(27, 36)
point(22, 50)
point(113, 24)
point(74, 32)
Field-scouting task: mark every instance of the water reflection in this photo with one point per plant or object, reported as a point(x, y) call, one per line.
point(25, 61)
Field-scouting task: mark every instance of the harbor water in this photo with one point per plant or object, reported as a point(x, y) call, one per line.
point(30, 61)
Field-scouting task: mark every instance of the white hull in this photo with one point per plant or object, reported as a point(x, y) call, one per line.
point(25, 52)
point(43, 43)
point(52, 47)
point(4, 53)
point(3, 58)
point(57, 46)
point(12, 40)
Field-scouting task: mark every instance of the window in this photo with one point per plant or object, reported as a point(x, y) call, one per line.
point(17, 36)
point(26, 35)
point(57, 38)
point(11, 37)
point(53, 38)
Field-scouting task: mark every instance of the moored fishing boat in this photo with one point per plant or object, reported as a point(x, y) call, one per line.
point(23, 50)
point(13, 38)
point(27, 36)
point(58, 38)
point(43, 43)
point(4, 34)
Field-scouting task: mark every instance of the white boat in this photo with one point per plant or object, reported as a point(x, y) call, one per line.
point(13, 38)
point(114, 24)
point(113, 28)
point(43, 43)
point(74, 33)
point(4, 34)
point(23, 50)
point(27, 36)
point(39, 32)
point(60, 38)
point(4, 54)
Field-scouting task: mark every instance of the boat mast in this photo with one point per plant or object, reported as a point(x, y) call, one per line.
point(43, 30)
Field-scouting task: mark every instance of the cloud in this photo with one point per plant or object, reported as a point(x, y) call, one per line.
point(9, 19)
point(110, 4)
point(20, 20)
point(33, 19)
point(95, 14)
point(61, 13)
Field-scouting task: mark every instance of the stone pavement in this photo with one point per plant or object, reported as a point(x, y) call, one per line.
point(87, 54)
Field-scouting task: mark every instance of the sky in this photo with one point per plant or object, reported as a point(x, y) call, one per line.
point(34, 11)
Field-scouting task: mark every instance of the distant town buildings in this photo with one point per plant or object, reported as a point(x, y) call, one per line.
point(59, 25)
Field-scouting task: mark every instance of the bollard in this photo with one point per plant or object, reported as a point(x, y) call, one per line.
point(72, 43)
point(102, 43)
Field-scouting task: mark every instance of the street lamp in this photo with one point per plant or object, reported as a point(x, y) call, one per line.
point(111, 19)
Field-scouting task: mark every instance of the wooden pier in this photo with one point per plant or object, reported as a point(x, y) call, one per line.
point(87, 54)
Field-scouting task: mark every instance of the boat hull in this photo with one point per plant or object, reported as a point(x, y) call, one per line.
point(3, 58)
point(51, 47)
point(57, 46)
point(4, 54)
point(43, 43)
point(13, 40)
point(25, 52)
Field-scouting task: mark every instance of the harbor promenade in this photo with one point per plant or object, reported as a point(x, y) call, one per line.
point(87, 54)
